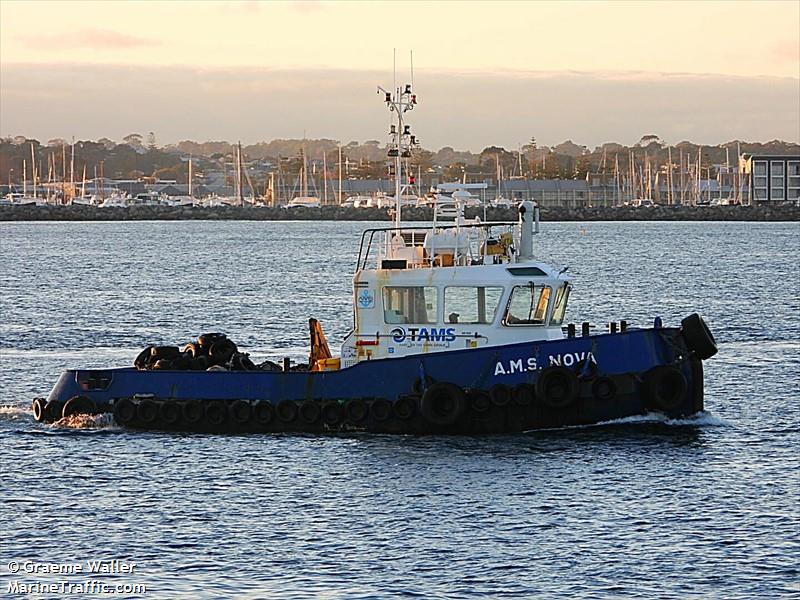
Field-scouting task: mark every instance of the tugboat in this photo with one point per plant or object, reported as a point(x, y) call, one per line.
point(457, 329)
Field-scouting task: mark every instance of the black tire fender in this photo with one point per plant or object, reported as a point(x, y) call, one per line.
point(147, 411)
point(240, 411)
point(479, 401)
point(53, 410)
point(39, 412)
point(523, 394)
point(380, 409)
point(79, 405)
point(169, 412)
point(263, 412)
point(405, 407)
point(698, 336)
point(192, 412)
point(356, 410)
point(664, 388)
point(604, 389)
point(216, 413)
point(310, 412)
point(500, 394)
point(332, 413)
point(557, 387)
point(443, 403)
point(286, 411)
point(124, 411)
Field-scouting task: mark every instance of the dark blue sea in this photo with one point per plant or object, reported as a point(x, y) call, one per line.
point(707, 507)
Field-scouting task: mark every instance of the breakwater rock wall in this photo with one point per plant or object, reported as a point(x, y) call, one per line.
point(334, 213)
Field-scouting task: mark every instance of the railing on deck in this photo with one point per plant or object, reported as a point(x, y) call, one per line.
point(411, 234)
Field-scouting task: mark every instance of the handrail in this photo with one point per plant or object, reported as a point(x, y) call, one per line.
point(362, 252)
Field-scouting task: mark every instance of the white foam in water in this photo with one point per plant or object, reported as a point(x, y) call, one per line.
point(14, 412)
point(79, 421)
point(703, 418)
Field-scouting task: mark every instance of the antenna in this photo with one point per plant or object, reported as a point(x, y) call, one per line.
point(411, 54)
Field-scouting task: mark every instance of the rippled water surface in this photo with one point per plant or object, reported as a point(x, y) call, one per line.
point(642, 508)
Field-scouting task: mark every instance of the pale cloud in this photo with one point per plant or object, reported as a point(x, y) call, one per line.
point(96, 39)
point(787, 50)
point(462, 110)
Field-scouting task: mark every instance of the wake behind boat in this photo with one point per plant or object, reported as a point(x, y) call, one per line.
point(457, 328)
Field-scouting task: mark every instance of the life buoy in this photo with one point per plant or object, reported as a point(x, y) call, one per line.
point(124, 411)
point(500, 394)
point(443, 403)
point(698, 336)
point(404, 407)
point(523, 394)
point(240, 411)
point(192, 412)
point(286, 411)
point(604, 389)
point(380, 409)
point(356, 410)
point(310, 412)
point(332, 413)
point(79, 405)
point(216, 413)
point(557, 387)
point(169, 413)
point(479, 401)
point(37, 407)
point(263, 412)
point(664, 388)
point(147, 411)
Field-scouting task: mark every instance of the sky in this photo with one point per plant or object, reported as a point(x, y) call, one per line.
point(486, 73)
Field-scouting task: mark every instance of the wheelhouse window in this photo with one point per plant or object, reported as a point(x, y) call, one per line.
point(560, 305)
point(527, 305)
point(472, 305)
point(409, 304)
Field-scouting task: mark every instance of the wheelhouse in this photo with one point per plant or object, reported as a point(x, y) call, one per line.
point(452, 287)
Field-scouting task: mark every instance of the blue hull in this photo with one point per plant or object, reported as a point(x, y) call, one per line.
point(516, 387)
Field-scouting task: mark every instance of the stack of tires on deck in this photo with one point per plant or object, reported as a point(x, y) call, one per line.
point(210, 351)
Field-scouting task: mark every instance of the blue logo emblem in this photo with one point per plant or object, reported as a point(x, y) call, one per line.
point(398, 334)
point(366, 299)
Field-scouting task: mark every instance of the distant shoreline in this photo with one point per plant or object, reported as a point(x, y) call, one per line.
point(335, 213)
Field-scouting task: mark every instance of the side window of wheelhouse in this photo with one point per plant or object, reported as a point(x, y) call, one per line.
point(409, 304)
point(560, 306)
point(527, 305)
point(471, 305)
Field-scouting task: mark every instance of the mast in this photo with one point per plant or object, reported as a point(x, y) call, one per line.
point(669, 175)
point(72, 172)
point(239, 173)
point(24, 178)
point(33, 169)
point(190, 176)
point(402, 142)
point(340, 172)
point(325, 177)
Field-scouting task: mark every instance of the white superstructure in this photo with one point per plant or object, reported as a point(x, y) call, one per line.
point(452, 285)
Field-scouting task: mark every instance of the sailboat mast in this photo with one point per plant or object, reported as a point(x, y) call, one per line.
point(340, 173)
point(33, 169)
point(239, 171)
point(190, 177)
point(72, 172)
point(325, 177)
